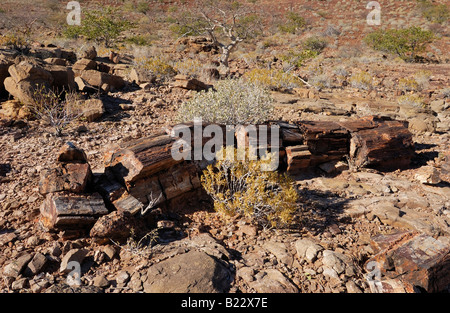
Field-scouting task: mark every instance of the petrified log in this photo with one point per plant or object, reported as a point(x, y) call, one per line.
point(71, 211)
point(290, 134)
point(325, 139)
point(71, 177)
point(142, 158)
point(380, 142)
point(418, 259)
point(297, 158)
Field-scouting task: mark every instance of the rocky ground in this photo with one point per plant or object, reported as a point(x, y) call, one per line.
point(326, 249)
point(353, 228)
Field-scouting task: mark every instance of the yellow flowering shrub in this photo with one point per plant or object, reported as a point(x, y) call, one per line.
point(242, 187)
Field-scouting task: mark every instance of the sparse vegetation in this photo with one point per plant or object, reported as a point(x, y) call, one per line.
point(411, 100)
point(406, 43)
point(102, 26)
point(241, 187)
point(361, 80)
point(273, 79)
point(436, 13)
point(56, 109)
point(233, 102)
point(157, 66)
point(294, 23)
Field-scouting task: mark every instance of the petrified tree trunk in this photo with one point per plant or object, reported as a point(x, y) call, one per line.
point(142, 158)
point(380, 142)
point(71, 211)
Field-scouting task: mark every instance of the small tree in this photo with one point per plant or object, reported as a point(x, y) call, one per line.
point(99, 25)
point(406, 43)
point(227, 23)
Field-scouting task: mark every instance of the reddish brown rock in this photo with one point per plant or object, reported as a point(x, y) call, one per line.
point(70, 177)
point(71, 154)
point(116, 226)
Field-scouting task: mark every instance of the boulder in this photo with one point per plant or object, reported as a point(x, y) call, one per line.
point(192, 272)
point(100, 79)
point(69, 153)
point(83, 65)
point(14, 109)
point(25, 78)
point(139, 76)
point(428, 175)
point(63, 77)
point(90, 53)
point(183, 81)
point(5, 63)
point(93, 109)
point(116, 225)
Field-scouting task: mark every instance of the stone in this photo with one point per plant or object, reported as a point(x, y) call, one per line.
point(280, 251)
point(74, 255)
point(307, 249)
point(428, 175)
point(56, 61)
point(63, 77)
point(5, 238)
point(14, 109)
point(101, 281)
point(272, 281)
point(334, 260)
point(116, 225)
point(192, 272)
point(140, 76)
point(20, 284)
point(421, 125)
point(122, 277)
point(25, 78)
point(99, 79)
point(36, 264)
point(16, 267)
point(352, 287)
point(93, 109)
point(183, 81)
point(90, 53)
point(83, 65)
point(71, 154)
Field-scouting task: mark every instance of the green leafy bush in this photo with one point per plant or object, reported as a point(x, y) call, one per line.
point(436, 13)
point(406, 43)
point(315, 44)
point(232, 102)
point(294, 23)
point(99, 25)
point(241, 187)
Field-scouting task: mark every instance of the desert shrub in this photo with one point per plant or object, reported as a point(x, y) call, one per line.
point(242, 187)
point(56, 109)
point(232, 102)
point(190, 67)
point(406, 43)
point(294, 23)
point(12, 40)
point(321, 81)
point(156, 65)
point(315, 44)
point(273, 79)
point(99, 25)
point(408, 84)
point(139, 40)
point(361, 80)
point(422, 78)
point(445, 92)
point(297, 59)
point(436, 13)
point(411, 100)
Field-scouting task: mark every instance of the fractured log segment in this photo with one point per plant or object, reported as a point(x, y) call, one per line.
point(142, 158)
point(327, 139)
point(297, 158)
point(64, 210)
point(381, 143)
point(290, 134)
